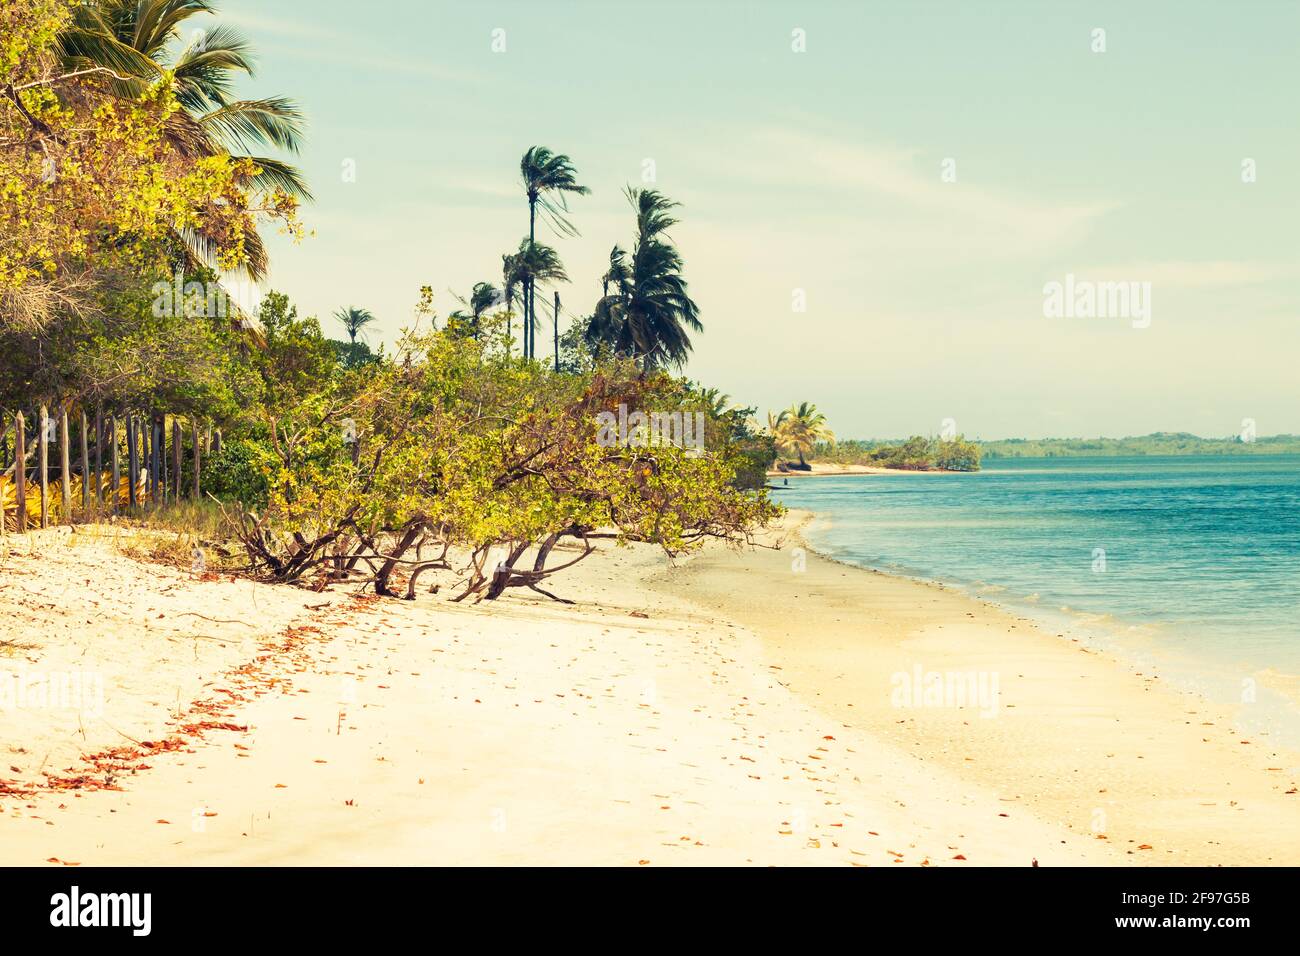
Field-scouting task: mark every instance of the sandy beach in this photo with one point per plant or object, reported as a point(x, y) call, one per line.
point(737, 708)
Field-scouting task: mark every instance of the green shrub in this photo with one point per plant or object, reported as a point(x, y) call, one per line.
point(233, 474)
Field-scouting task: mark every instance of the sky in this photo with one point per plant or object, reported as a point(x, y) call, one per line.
point(875, 195)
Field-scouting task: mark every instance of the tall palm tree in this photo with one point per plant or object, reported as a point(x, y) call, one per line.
point(532, 265)
point(548, 178)
point(649, 314)
point(799, 428)
point(137, 42)
point(354, 320)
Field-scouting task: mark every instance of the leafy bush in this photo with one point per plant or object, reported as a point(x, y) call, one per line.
point(237, 473)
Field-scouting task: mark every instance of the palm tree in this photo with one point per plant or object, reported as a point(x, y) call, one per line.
point(799, 428)
point(138, 42)
point(511, 282)
point(718, 402)
point(532, 265)
point(548, 178)
point(482, 297)
point(603, 325)
point(649, 314)
point(354, 320)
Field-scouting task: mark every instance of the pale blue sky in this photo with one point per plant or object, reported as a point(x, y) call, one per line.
point(820, 171)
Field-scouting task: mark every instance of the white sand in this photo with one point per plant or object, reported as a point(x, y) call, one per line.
point(529, 732)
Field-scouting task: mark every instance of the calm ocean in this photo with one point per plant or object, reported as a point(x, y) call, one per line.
point(1188, 563)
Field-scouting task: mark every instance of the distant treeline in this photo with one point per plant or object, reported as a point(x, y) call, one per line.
point(917, 453)
point(1159, 443)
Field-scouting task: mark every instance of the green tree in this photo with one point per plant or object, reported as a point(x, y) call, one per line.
point(354, 320)
point(139, 42)
point(533, 264)
point(648, 315)
point(799, 428)
point(548, 179)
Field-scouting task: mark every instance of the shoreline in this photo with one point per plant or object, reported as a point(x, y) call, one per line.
point(833, 470)
point(1055, 689)
point(722, 711)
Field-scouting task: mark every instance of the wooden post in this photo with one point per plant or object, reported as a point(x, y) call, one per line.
point(65, 463)
point(176, 456)
point(20, 471)
point(198, 445)
point(159, 461)
point(85, 465)
point(99, 458)
point(117, 473)
point(557, 330)
point(130, 459)
point(163, 486)
point(147, 427)
point(43, 464)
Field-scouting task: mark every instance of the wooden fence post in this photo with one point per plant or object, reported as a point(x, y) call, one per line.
point(117, 474)
point(146, 428)
point(85, 465)
point(99, 458)
point(164, 463)
point(176, 456)
point(198, 445)
point(20, 471)
point(130, 458)
point(156, 429)
point(43, 446)
point(65, 462)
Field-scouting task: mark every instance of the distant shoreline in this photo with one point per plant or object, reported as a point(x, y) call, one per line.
point(833, 470)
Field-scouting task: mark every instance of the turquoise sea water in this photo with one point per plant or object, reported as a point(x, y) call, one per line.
point(1190, 562)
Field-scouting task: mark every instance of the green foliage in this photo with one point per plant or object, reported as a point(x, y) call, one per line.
point(237, 473)
point(1158, 443)
point(917, 453)
point(295, 357)
point(459, 443)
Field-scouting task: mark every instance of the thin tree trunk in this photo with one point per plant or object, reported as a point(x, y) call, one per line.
point(530, 305)
point(557, 330)
point(510, 326)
